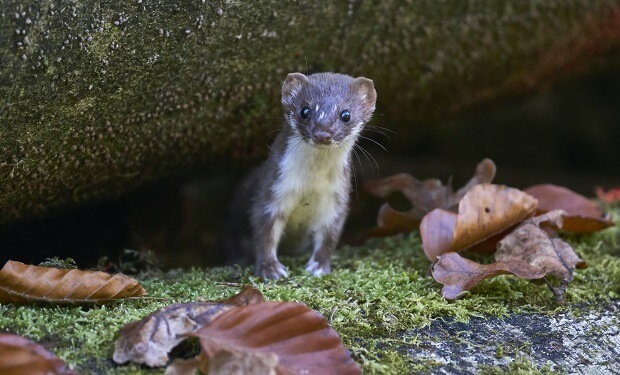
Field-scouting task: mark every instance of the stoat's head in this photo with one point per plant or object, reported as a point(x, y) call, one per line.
point(327, 109)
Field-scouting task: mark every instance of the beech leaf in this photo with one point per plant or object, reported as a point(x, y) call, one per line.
point(391, 221)
point(273, 338)
point(437, 232)
point(20, 356)
point(424, 197)
point(610, 196)
point(582, 214)
point(484, 211)
point(529, 243)
point(149, 340)
point(459, 274)
point(26, 284)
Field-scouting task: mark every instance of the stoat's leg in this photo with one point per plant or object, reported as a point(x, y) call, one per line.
point(325, 240)
point(266, 234)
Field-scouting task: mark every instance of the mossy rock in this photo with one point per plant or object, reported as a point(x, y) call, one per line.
point(101, 97)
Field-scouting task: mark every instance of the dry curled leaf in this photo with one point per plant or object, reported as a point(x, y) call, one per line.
point(582, 214)
point(26, 284)
point(149, 340)
point(484, 211)
point(424, 196)
point(273, 338)
point(530, 244)
point(437, 232)
point(459, 274)
point(610, 196)
point(20, 356)
point(391, 221)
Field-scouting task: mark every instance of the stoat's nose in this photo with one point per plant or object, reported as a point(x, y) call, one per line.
point(322, 137)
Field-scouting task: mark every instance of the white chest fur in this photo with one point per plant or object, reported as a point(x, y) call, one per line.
point(309, 182)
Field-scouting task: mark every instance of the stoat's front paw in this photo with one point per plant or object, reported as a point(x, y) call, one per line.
point(271, 270)
point(317, 269)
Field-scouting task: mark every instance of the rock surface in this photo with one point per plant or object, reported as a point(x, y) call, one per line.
point(586, 341)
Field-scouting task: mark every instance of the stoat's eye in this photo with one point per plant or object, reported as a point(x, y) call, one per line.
point(345, 115)
point(305, 113)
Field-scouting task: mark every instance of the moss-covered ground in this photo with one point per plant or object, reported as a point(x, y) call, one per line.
point(375, 293)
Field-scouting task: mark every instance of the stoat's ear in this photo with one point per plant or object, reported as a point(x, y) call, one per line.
point(292, 86)
point(364, 89)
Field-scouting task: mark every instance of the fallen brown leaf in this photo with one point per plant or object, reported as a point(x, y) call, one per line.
point(149, 340)
point(25, 284)
point(459, 274)
point(424, 196)
point(391, 222)
point(582, 214)
point(273, 338)
point(610, 196)
point(529, 243)
point(20, 356)
point(484, 211)
point(437, 232)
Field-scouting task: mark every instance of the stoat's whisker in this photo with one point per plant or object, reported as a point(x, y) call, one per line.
point(382, 128)
point(378, 131)
point(359, 161)
point(354, 170)
point(375, 142)
point(368, 156)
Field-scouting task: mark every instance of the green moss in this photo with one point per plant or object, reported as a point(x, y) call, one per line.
point(375, 293)
point(59, 263)
point(520, 366)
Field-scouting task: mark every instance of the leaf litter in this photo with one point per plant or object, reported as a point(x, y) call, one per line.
point(424, 196)
point(533, 245)
point(484, 211)
point(273, 338)
point(240, 335)
point(582, 215)
point(459, 274)
point(149, 340)
point(493, 218)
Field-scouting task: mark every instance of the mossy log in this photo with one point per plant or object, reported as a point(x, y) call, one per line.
point(101, 97)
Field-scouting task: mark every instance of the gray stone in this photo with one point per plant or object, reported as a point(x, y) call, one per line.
point(583, 341)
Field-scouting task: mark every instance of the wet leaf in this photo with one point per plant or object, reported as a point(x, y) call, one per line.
point(459, 274)
point(149, 340)
point(530, 244)
point(25, 284)
point(20, 356)
point(424, 197)
point(484, 211)
point(273, 338)
point(610, 196)
point(582, 214)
